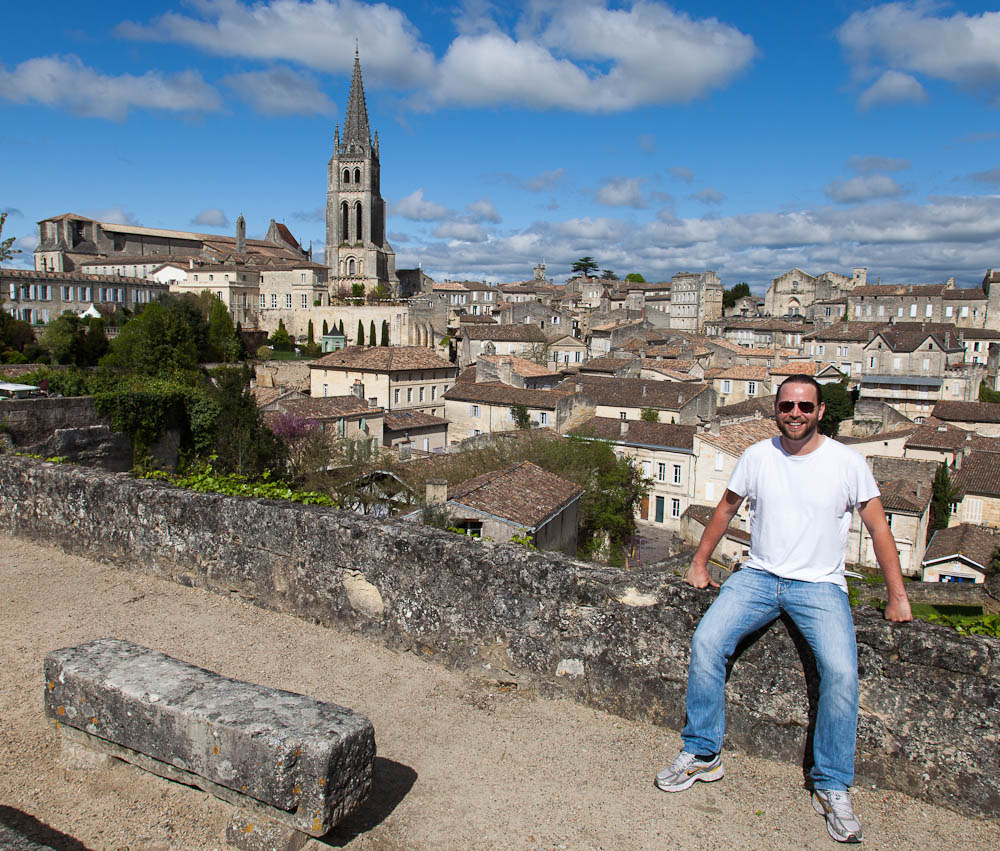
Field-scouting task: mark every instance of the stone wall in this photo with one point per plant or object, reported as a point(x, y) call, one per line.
point(30, 421)
point(930, 698)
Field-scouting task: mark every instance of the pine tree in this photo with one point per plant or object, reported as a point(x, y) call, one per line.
point(360, 341)
point(371, 333)
point(385, 333)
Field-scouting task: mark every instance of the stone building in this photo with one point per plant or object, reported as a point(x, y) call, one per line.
point(694, 300)
point(357, 251)
point(966, 308)
point(794, 291)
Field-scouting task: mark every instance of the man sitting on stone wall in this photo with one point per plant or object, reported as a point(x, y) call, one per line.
point(803, 488)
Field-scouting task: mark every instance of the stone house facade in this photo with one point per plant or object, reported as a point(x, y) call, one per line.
point(736, 384)
point(792, 292)
point(978, 487)
point(960, 553)
point(527, 341)
point(939, 303)
point(694, 300)
point(475, 408)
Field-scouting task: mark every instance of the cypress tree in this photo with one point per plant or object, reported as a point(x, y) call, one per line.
point(385, 333)
point(310, 339)
point(361, 334)
point(326, 329)
point(371, 333)
point(341, 326)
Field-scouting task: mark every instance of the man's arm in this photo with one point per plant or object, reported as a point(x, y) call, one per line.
point(873, 516)
point(716, 527)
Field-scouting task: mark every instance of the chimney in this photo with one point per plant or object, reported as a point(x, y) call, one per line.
point(623, 428)
point(713, 426)
point(579, 386)
point(241, 235)
point(505, 370)
point(644, 388)
point(436, 492)
point(358, 389)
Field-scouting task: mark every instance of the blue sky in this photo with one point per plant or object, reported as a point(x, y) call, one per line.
point(658, 138)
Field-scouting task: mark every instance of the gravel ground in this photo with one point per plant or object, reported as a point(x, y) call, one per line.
point(463, 763)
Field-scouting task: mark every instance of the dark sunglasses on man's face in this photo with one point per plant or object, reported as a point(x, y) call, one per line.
point(787, 406)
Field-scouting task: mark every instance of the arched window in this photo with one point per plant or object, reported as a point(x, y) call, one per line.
point(359, 223)
point(344, 222)
point(350, 266)
point(347, 176)
point(357, 175)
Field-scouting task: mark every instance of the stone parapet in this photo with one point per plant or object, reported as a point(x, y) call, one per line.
point(930, 698)
point(309, 763)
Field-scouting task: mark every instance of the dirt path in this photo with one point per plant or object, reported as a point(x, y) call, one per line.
point(462, 764)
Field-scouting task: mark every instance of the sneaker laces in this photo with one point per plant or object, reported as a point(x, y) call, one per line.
point(840, 803)
point(684, 759)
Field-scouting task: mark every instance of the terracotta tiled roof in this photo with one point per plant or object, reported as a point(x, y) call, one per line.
point(975, 543)
point(498, 393)
point(742, 373)
point(327, 407)
point(964, 294)
point(747, 408)
point(968, 412)
point(797, 367)
point(474, 319)
point(850, 332)
point(938, 435)
point(735, 439)
point(903, 495)
point(403, 420)
point(909, 336)
point(677, 371)
point(607, 363)
point(519, 366)
point(382, 359)
point(980, 334)
point(980, 474)
point(899, 289)
point(467, 375)
point(635, 392)
point(765, 324)
point(522, 493)
point(516, 333)
point(702, 513)
point(895, 434)
point(78, 277)
point(449, 286)
point(638, 432)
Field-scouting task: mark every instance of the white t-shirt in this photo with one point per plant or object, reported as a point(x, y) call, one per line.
point(800, 507)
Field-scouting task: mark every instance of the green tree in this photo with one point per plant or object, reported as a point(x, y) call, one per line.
point(341, 326)
point(942, 497)
point(385, 333)
point(360, 341)
point(988, 395)
point(738, 291)
point(281, 340)
point(243, 444)
point(326, 329)
point(520, 414)
point(310, 339)
point(156, 342)
point(839, 406)
point(74, 341)
point(635, 278)
point(381, 292)
point(649, 415)
point(358, 290)
point(222, 333)
point(371, 333)
point(6, 245)
point(584, 266)
point(608, 275)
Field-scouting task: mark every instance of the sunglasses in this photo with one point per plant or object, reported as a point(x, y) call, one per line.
point(787, 406)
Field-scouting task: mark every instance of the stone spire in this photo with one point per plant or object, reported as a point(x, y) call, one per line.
point(357, 135)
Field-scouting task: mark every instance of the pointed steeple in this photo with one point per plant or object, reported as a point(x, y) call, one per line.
point(357, 135)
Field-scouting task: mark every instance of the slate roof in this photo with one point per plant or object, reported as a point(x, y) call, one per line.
point(736, 438)
point(979, 475)
point(975, 544)
point(968, 412)
point(639, 432)
point(522, 493)
point(628, 392)
point(382, 359)
point(498, 393)
point(403, 420)
point(516, 333)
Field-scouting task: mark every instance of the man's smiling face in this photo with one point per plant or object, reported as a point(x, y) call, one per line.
point(795, 424)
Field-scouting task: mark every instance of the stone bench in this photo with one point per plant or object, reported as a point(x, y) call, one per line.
point(299, 762)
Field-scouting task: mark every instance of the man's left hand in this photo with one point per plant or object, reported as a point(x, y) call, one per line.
point(898, 610)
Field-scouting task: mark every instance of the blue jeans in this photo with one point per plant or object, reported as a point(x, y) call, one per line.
point(748, 600)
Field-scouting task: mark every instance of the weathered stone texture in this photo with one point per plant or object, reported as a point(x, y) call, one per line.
point(12, 840)
point(308, 759)
point(930, 699)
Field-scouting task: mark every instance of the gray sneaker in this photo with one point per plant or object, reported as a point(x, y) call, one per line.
point(686, 769)
point(841, 822)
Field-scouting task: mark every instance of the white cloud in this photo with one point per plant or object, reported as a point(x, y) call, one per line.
point(621, 192)
point(280, 91)
point(115, 215)
point(318, 34)
point(414, 207)
point(460, 231)
point(542, 182)
point(484, 211)
point(708, 195)
point(866, 165)
point(317, 214)
point(910, 37)
point(892, 87)
point(211, 217)
point(652, 53)
point(865, 188)
point(682, 173)
point(65, 82)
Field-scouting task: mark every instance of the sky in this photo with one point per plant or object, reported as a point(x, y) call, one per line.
point(657, 138)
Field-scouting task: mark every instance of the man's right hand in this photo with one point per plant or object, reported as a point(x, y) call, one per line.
point(699, 577)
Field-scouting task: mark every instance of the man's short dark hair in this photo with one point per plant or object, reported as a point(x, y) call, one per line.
point(801, 378)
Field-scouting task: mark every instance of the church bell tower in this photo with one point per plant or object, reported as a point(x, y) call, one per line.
point(356, 247)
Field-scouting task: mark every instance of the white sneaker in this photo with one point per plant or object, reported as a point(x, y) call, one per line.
point(841, 822)
point(682, 773)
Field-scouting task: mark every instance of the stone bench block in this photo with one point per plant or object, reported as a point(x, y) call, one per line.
point(304, 762)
